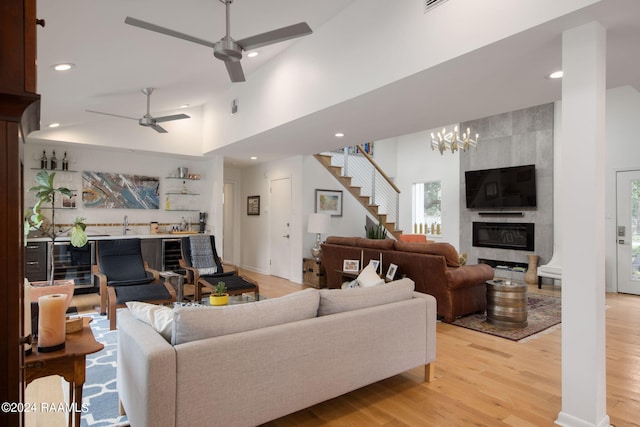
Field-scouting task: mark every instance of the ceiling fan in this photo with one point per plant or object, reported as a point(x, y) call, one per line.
point(148, 120)
point(227, 49)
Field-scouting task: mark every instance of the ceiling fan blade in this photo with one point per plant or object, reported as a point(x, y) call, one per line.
point(166, 31)
point(169, 118)
point(275, 36)
point(158, 128)
point(109, 114)
point(235, 71)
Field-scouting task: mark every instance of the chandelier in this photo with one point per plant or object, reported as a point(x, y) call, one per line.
point(453, 141)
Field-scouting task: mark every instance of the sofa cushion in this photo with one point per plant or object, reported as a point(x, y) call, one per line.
point(339, 300)
point(444, 249)
point(378, 244)
point(368, 277)
point(158, 317)
point(340, 240)
point(196, 323)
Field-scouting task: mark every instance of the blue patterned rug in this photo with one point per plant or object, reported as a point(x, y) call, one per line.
point(99, 393)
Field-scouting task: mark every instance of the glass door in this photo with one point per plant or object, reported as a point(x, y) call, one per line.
point(628, 231)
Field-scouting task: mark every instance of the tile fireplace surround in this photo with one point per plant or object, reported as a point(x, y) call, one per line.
point(510, 139)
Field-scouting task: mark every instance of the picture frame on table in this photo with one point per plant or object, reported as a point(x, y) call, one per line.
point(351, 265)
point(253, 205)
point(329, 202)
point(376, 264)
point(391, 272)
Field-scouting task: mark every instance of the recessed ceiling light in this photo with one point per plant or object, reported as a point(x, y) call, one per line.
point(54, 125)
point(339, 134)
point(556, 75)
point(184, 106)
point(253, 158)
point(63, 67)
point(252, 54)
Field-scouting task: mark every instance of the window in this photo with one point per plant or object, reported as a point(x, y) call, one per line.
point(426, 208)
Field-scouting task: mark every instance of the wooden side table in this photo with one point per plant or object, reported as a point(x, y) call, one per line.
point(69, 363)
point(176, 280)
point(507, 303)
point(313, 273)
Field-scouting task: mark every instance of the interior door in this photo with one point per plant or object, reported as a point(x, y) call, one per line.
point(280, 229)
point(628, 231)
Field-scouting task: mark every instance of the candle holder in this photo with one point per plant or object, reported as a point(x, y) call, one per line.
point(51, 322)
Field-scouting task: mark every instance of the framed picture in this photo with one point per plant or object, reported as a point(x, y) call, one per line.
point(69, 202)
point(253, 205)
point(329, 202)
point(391, 272)
point(376, 264)
point(351, 265)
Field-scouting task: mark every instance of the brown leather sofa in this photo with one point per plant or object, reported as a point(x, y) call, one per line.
point(434, 267)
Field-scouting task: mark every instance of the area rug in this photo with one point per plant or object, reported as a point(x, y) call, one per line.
point(99, 395)
point(543, 312)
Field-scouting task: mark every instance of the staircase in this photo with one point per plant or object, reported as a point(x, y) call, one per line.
point(361, 176)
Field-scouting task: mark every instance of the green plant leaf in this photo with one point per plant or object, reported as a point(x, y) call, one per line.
point(44, 179)
point(78, 236)
point(65, 191)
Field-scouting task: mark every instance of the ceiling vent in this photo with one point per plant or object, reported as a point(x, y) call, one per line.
point(430, 4)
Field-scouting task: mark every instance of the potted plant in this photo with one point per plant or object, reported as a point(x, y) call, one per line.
point(34, 220)
point(378, 232)
point(219, 295)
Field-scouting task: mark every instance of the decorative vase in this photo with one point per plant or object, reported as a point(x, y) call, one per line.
point(218, 300)
point(531, 277)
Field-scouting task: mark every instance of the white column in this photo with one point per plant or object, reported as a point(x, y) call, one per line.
point(583, 225)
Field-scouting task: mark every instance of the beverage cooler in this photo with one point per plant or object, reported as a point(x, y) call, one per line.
point(171, 254)
point(75, 263)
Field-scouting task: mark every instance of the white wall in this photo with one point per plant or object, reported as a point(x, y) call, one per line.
point(294, 86)
point(128, 162)
point(254, 238)
point(418, 163)
point(622, 153)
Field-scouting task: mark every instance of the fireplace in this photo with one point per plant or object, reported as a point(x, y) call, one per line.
point(504, 235)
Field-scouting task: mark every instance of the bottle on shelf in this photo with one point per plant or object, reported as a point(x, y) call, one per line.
point(167, 204)
point(54, 161)
point(43, 160)
point(65, 162)
point(184, 187)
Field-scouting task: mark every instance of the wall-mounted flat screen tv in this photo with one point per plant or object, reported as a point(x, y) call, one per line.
point(512, 187)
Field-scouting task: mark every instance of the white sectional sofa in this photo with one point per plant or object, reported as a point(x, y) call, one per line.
point(247, 364)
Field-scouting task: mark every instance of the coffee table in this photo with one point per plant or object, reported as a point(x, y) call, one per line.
point(238, 299)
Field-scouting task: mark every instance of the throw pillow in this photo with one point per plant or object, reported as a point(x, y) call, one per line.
point(197, 323)
point(160, 318)
point(368, 277)
point(207, 271)
point(338, 300)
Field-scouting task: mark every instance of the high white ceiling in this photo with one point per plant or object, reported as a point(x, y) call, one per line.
point(114, 61)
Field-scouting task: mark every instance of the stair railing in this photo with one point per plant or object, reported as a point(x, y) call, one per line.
point(372, 180)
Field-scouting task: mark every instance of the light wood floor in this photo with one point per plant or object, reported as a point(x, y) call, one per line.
point(481, 380)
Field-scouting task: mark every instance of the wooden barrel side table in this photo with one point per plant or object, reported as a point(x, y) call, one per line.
point(507, 303)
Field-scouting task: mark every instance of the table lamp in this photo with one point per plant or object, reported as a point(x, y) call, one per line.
point(319, 224)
